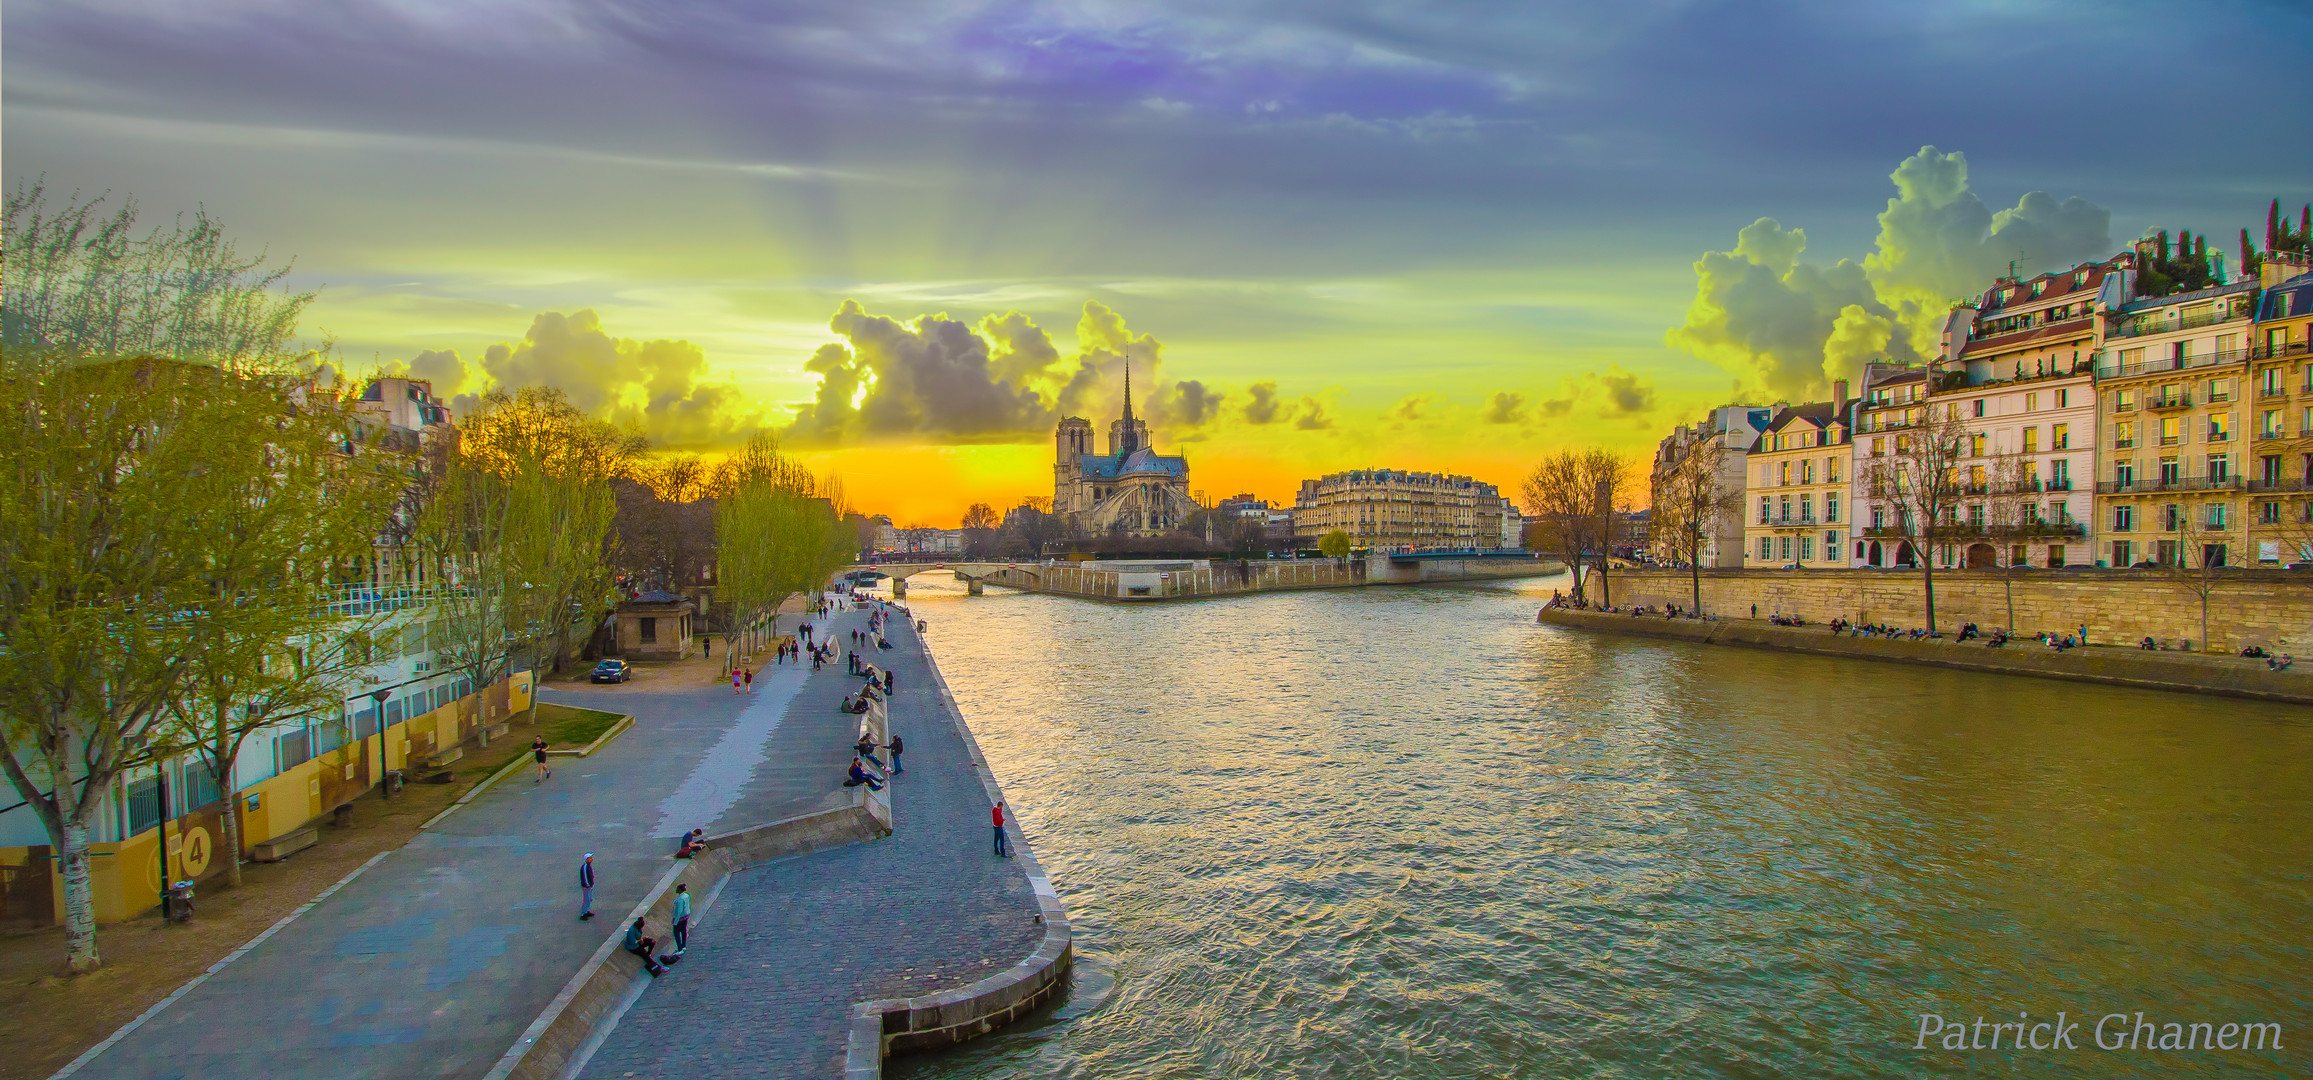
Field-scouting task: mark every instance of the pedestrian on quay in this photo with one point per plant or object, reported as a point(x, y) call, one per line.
point(887, 682)
point(894, 747)
point(586, 887)
point(1003, 850)
point(750, 680)
point(1754, 611)
point(538, 750)
point(682, 919)
point(735, 682)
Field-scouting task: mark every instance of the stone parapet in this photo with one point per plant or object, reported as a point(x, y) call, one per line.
point(2111, 666)
point(2269, 608)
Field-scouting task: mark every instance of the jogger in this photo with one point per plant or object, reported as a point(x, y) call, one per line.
point(538, 750)
point(586, 888)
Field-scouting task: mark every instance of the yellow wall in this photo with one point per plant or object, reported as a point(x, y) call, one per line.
point(125, 876)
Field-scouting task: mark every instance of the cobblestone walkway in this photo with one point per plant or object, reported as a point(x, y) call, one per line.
point(786, 949)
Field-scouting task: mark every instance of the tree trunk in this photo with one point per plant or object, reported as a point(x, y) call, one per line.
point(79, 903)
point(1695, 564)
point(2205, 621)
point(1605, 591)
point(2009, 581)
point(229, 823)
point(1927, 570)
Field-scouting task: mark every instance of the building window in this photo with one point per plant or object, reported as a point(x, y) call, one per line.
point(2269, 424)
point(1786, 549)
point(1830, 509)
point(1831, 544)
point(1878, 518)
point(2171, 472)
point(2031, 403)
point(2268, 513)
point(2060, 437)
point(2125, 400)
point(2123, 553)
point(2269, 469)
point(2171, 430)
point(2220, 468)
point(2064, 397)
point(1806, 549)
point(2124, 473)
point(1764, 509)
point(2171, 516)
point(2220, 516)
point(2031, 440)
point(2220, 427)
point(2124, 518)
point(1766, 549)
point(1978, 406)
point(2124, 435)
point(1831, 470)
point(1879, 446)
point(1976, 516)
point(1976, 445)
point(2060, 474)
point(650, 631)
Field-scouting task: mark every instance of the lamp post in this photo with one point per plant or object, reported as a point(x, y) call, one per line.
point(385, 787)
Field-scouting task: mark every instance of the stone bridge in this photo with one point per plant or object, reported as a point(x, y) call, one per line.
point(973, 574)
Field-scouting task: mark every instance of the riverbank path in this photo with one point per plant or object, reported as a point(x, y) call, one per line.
point(433, 961)
point(785, 950)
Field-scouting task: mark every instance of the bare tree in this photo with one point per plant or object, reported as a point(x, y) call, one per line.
point(1692, 503)
point(2011, 521)
point(1920, 481)
point(1573, 495)
point(979, 524)
point(2201, 559)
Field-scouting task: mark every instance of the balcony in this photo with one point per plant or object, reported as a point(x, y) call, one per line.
point(2117, 369)
point(2280, 485)
point(2271, 393)
point(2167, 401)
point(2124, 444)
point(2140, 327)
point(2270, 434)
point(2182, 483)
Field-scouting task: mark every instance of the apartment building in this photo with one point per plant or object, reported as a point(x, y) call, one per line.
point(1392, 509)
point(1800, 472)
point(1732, 429)
point(2280, 512)
point(1894, 401)
point(2170, 379)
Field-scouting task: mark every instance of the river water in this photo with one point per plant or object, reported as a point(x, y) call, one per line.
point(1408, 832)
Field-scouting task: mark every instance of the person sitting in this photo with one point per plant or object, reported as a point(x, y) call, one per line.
point(641, 945)
point(865, 748)
point(2283, 663)
point(859, 775)
point(692, 844)
point(2148, 645)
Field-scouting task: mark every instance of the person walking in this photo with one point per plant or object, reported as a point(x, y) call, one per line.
point(682, 918)
point(586, 887)
point(735, 682)
point(1003, 850)
point(887, 682)
point(895, 747)
point(538, 750)
point(750, 680)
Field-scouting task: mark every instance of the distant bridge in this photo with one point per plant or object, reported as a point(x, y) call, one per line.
point(973, 574)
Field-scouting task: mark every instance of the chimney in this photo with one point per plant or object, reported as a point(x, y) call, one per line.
point(1839, 398)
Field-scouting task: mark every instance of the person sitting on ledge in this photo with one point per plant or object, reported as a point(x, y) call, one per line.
point(2282, 664)
point(2148, 645)
point(2255, 652)
point(865, 749)
point(641, 945)
point(859, 775)
point(691, 844)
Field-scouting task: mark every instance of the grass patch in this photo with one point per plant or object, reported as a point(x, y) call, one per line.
point(569, 727)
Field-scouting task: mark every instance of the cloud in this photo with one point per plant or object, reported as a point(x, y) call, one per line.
point(1939, 242)
point(934, 380)
point(658, 386)
point(939, 380)
point(1788, 328)
point(1505, 408)
point(1190, 403)
point(1624, 394)
point(1263, 409)
point(1312, 416)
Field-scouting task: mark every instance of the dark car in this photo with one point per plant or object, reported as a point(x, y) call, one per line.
point(611, 671)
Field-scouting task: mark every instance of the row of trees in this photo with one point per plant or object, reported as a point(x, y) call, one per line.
point(778, 531)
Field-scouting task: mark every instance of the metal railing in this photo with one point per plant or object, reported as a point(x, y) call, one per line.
point(2169, 401)
point(2170, 363)
point(2182, 483)
point(2140, 326)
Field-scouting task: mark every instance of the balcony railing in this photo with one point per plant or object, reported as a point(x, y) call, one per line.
point(2170, 363)
point(2182, 483)
point(2271, 393)
point(2169, 401)
point(2140, 327)
point(2298, 484)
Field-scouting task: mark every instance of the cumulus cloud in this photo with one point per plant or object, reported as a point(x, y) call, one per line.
point(659, 386)
point(941, 380)
point(1263, 409)
point(1312, 416)
point(1787, 328)
point(1505, 408)
point(1409, 411)
point(1624, 394)
point(443, 369)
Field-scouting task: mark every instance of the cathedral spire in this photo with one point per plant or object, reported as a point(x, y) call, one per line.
point(1128, 388)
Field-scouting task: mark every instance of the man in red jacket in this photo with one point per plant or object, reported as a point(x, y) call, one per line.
point(1003, 850)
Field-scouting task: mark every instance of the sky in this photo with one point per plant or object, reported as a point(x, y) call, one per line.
point(910, 236)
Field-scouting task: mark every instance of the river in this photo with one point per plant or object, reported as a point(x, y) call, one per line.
point(1407, 832)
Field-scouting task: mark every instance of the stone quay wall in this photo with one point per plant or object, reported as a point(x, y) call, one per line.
point(2181, 672)
point(890, 1026)
point(1257, 576)
point(2271, 608)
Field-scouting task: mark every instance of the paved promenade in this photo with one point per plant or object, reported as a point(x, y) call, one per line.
point(432, 962)
point(786, 949)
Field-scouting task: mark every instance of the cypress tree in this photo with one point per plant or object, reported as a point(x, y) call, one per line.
point(2162, 238)
point(2305, 227)
point(2201, 252)
point(2248, 255)
point(2273, 225)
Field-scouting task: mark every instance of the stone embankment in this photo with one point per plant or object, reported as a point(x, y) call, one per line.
point(2113, 666)
point(2268, 608)
point(1139, 581)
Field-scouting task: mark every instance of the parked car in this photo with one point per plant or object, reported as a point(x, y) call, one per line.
point(611, 671)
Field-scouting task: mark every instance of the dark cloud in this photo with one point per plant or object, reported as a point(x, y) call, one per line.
point(1312, 416)
point(1263, 409)
point(1408, 411)
point(929, 381)
point(1625, 394)
point(1505, 408)
point(1191, 404)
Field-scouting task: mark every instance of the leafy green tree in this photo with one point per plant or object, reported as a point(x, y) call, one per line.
point(1334, 545)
